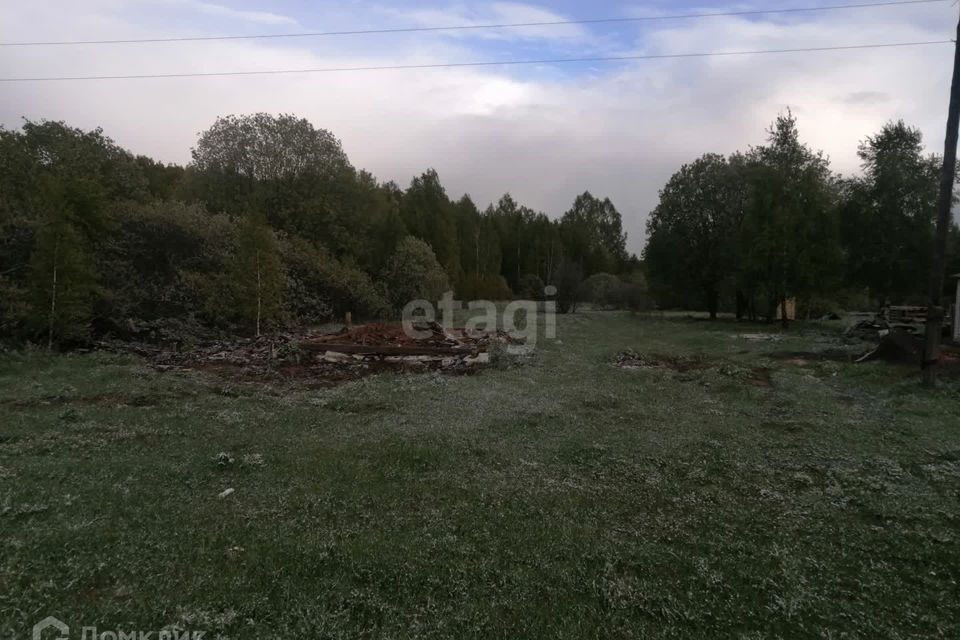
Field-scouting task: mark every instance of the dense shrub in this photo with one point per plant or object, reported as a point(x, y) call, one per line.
point(475, 287)
point(530, 287)
point(413, 273)
point(635, 297)
point(319, 287)
point(164, 260)
point(602, 290)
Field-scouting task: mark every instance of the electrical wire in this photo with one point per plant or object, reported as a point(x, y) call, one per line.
point(513, 25)
point(490, 63)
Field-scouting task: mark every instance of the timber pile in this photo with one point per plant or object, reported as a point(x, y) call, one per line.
point(325, 360)
point(438, 347)
point(909, 319)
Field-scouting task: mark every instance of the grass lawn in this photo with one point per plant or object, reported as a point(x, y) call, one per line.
point(727, 494)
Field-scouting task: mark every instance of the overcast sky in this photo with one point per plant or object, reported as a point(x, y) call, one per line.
point(543, 133)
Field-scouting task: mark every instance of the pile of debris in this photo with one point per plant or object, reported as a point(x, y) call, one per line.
point(329, 359)
point(898, 347)
point(253, 357)
point(868, 329)
point(258, 354)
point(910, 320)
point(901, 347)
point(428, 346)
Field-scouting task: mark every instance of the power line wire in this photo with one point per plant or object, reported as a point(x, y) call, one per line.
point(488, 63)
point(513, 25)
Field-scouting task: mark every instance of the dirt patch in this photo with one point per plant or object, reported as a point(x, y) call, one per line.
point(754, 376)
point(695, 368)
point(761, 377)
point(630, 359)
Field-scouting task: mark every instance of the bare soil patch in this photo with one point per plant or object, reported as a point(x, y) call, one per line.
point(689, 366)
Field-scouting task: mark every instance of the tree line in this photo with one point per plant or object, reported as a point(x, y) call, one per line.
point(269, 226)
point(749, 231)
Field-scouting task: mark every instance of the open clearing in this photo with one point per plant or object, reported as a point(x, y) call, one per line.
point(642, 478)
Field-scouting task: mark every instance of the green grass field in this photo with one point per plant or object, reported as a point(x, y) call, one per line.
point(747, 496)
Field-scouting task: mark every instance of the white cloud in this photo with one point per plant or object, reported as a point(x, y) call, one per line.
point(541, 134)
point(262, 17)
point(497, 13)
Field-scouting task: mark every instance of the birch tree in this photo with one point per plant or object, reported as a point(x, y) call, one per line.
point(256, 274)
point(63, 278)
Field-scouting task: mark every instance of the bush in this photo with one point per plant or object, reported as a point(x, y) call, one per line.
point(320, 287)
point(635, 297)
point(162, 261)
point(603, 290)
point(476, 287)
point(413, 273)
point(530, 287)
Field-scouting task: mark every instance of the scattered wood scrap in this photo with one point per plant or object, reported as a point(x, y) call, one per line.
point(907, 319)
point(433, 347)
point(324, 360)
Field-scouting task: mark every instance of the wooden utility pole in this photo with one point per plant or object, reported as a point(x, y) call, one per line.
point(935, 314)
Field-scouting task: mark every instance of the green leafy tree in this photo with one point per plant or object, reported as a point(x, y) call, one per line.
point(568, 279)
point(888, 215)
point(63, 281)
point(545, 246)
point(163, 181)
point(692, 234)
point(593, 235)
point(49, 174)
point(297, 175)
point(429, 215)
point(478, 239)
point(262, 146)
point(529, 241)
point(54, 149)
point(789, 237)
point(376, 225)
point(256, 274)
point(635, 294)
point(511, 219)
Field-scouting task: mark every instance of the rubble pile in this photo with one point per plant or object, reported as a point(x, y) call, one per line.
point(329, 359)
point(868, 329)
point(430, 346)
